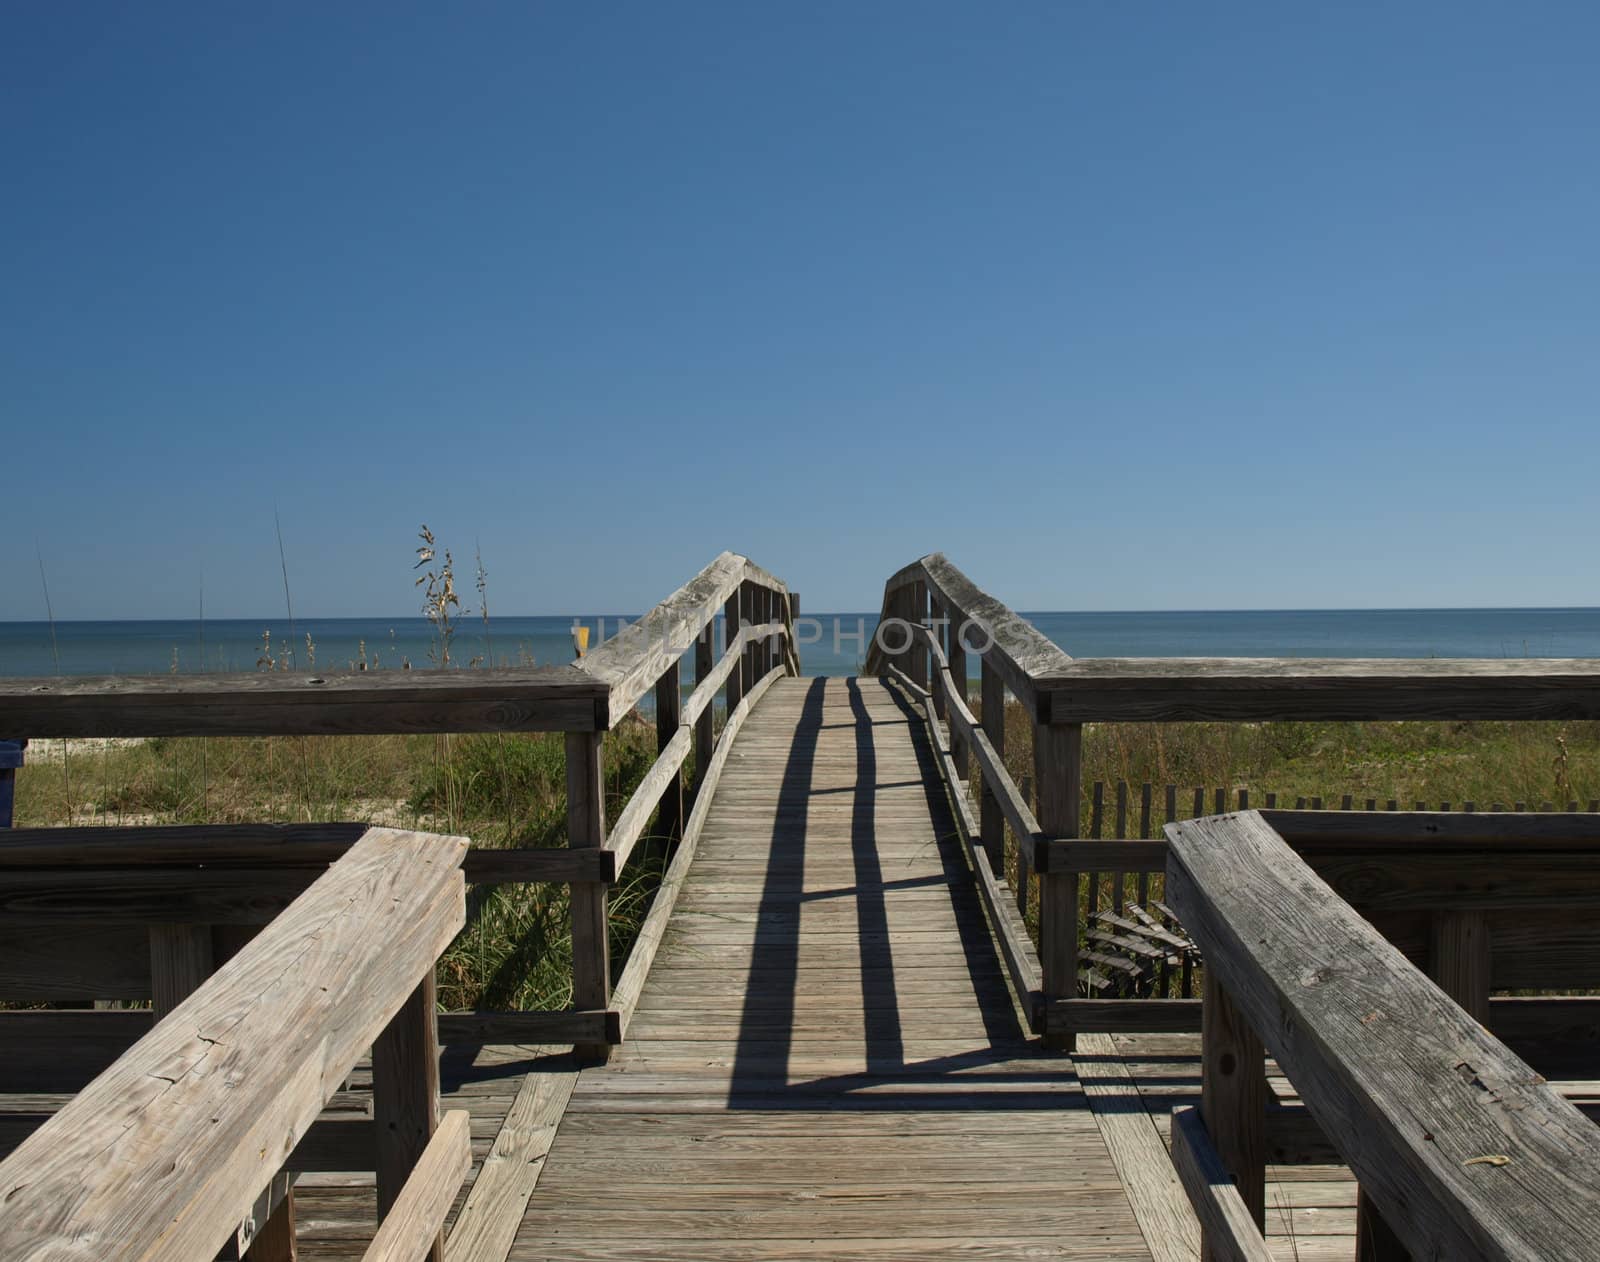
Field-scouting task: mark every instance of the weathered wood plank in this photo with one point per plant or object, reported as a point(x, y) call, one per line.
point(539, 699)
point(1231, 1231)
point(488, 1221)
point(631, 984)
point(1412, 1090)
point(586, 830)
point(414, 1223)
point(632, 660)
point(208, 1105)
point(1136, 1148)
point(1235, 689)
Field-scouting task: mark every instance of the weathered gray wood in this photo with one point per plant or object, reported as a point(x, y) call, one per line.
point(276, 703)
point(732, 646)
point(247, 854)
point(414, 1223)
point(586, 830)
point(1232, 1233)
point(1122, 1016)
point(956, 660)
point(1234, 689)
point(405, 1096)
point(990, 815)
point(1011, 932)
point(669, 706)
point(180, 962)
point(1380, 1055)
point(205, 1108)
point(1008, 643)
point(704, 726)
point(1233, 1098)
point(632, 660)
point(631, 984)
point(1460, 958)
point(1058, 771)
point(1137, 1150)
point(492, 1212)
point(585, 1026)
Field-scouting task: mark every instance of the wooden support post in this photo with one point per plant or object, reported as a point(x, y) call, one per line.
point(10, 760)
point(405, 1095)
point(1233, 1097)
point(180, 962)
point(938, 616)
point(705, 732)
point(586, 829)
point(1460, 959)
point(991, 821)
point(669, 711)
point(917, 616)
point(958, 676)
point(763, 616)
point(1058, 771)
point(730, 624)
point(747, 616)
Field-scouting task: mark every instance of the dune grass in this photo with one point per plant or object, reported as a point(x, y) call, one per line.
point(511, 791)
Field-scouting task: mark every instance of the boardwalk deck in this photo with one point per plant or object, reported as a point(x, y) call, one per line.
point(826, 1061)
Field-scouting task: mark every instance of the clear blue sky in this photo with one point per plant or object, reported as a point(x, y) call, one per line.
point(1122, 305)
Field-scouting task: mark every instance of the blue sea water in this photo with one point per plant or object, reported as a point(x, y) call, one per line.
point(831, 644)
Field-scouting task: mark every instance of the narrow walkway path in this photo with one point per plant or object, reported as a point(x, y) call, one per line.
point(826, 1062)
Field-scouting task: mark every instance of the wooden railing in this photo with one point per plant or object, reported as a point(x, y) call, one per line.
point(1461, 1148)
point(185, 1144)
point(948, 619)
point(582, 700)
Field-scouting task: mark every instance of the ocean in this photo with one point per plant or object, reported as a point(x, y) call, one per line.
point(831, 644)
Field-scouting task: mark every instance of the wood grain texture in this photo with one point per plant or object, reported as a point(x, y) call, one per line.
point(521, 699)
point(1410, 1089)
point(630, 662)
point(488, 1220)
point(1231, 1231)
point(785, 1089)
point(207, 1106)
point(414, 1223)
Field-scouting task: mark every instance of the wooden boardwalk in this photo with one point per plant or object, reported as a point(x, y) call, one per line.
point(827, 1061)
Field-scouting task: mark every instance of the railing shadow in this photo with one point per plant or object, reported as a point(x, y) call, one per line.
point(889, 1081)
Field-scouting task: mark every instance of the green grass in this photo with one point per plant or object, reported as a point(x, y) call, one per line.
point(511, 791)
point(516, 951)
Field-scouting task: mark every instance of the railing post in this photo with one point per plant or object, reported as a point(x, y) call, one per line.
point(919, 617)
point(669, 711)
point(1233, 1097)
point(705, 732)
point(586, 829)
point(958, 676)
point(405, 1095)
point(10, 760)
point(937, 615)
point(991, 822)
point(730, 632)
point(747, 615)
point(1058, 771)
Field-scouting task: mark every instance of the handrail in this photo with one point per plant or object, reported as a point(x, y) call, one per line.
point(630, 662)
point(1463, 1149)
point(1060, 694)
point(1016, 949)
point(582, 700)
point(204, 1110)
point(630, 825)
